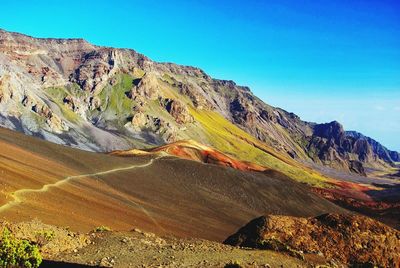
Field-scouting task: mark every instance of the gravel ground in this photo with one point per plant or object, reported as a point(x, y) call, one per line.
point(141, 249)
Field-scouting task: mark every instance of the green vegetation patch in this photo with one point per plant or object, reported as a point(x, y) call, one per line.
point(168, 78)
point(18, 253)
point(57, 95)
point(102, 228)
point(114, 99)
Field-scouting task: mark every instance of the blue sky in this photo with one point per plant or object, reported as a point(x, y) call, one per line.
point(323, 60)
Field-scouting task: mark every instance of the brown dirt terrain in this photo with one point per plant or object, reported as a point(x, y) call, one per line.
point(349, 239)
point(136, 248)
point(166, 196)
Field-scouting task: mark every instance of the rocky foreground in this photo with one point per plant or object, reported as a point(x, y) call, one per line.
point(332, 240)
point(349, 239)
point(105, 248)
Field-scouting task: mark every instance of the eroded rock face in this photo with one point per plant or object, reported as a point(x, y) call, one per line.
point(377, 149)
point(146, 88)
point(41, 109)
point(361, 148)
point(96, 69)
point(94, 103)
point(395, 156)
point(177, 110)
point(143, 122)
point(349, 150)
point(357, 167)
point(349, 239)
point(81, 106)
point(332, 131)
point(327, 144)
point(241, 112)
point(69, 101)
point(199, 101)
point(5, 89)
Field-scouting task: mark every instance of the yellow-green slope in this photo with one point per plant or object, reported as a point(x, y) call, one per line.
point(228, 138)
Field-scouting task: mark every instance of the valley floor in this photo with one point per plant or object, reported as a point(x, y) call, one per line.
point(376, 196)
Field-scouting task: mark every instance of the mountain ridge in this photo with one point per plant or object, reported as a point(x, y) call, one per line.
point(102, 99)
point(377, 146)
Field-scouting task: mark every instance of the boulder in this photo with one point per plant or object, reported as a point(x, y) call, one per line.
point(350, 239)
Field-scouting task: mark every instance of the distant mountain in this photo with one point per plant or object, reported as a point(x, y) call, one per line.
point(378, 149)
point(333, 146)
point(95, 98)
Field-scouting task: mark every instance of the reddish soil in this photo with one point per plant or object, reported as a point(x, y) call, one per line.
point(192, 150)
point(364, 199)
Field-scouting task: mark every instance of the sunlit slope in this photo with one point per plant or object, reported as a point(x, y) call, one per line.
point(230, 139)
point(166, 195)
point(31, 165)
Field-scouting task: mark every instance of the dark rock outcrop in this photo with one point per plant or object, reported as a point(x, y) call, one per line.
point(349, 239)
point(177, 110)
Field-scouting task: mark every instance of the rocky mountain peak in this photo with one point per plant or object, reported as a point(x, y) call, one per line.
point(377, 148)
point(330, 130)
point(348, 149)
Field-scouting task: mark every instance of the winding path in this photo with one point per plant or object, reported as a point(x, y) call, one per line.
point(18, 195)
